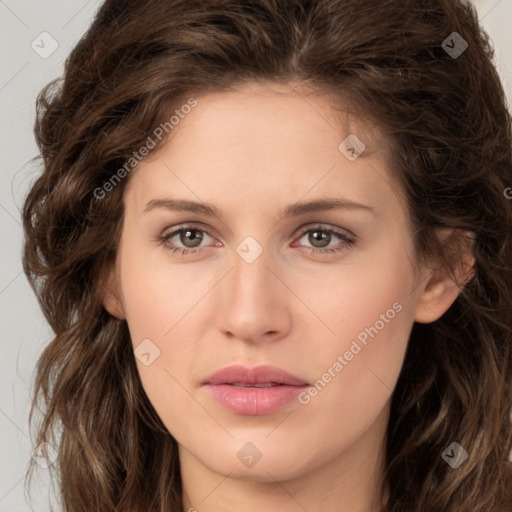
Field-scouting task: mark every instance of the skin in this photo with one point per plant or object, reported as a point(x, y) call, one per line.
point(252, 152)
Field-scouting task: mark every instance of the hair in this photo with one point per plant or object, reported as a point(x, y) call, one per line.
point(450, 129)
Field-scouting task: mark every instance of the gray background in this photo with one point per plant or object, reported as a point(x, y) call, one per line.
point(23, 72)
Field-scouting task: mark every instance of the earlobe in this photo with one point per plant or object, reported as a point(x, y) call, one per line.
point(437, 297)
point(442, 286)
point(111, 297)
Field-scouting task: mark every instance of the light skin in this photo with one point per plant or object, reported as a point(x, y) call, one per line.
point(251, 153)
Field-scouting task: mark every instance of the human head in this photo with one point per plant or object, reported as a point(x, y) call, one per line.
point(452, 168)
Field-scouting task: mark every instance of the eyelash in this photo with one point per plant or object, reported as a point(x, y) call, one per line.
point(347, 240)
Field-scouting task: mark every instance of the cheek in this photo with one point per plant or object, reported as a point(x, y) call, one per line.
point(368, 308)
point(162, 303)
point(160, 295)
point(159, 304)
point(363, 294)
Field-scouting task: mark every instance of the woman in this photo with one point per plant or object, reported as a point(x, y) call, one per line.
point(273, 240)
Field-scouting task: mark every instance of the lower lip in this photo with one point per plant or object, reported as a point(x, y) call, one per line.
point(253, 401)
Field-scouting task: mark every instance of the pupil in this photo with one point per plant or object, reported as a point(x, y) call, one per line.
point(194, 237)
point(324, 238)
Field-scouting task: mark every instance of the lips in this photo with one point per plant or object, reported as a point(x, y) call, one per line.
point(259, 376)
point(254, 391)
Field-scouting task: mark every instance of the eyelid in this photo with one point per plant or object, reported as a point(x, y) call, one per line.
point(169, 232)
point(327, 227)
point(173, 230)
point(345, 236)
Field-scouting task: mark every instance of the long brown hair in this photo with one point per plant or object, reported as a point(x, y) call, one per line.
point(447, 118)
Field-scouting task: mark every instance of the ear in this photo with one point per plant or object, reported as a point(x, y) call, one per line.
point(111, 297)
point(443, 283)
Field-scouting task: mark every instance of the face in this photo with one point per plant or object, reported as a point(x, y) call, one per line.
point(308, 309)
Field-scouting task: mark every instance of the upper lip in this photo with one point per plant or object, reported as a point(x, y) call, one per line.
point(238, 374)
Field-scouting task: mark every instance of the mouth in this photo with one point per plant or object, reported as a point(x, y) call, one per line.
point(254, 391)
point(249, 385)
point(258, 376)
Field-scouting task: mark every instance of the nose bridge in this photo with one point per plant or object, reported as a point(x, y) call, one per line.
point(250, 306)
point(251, 278)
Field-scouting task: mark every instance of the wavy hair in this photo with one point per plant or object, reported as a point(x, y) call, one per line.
point(448, 121)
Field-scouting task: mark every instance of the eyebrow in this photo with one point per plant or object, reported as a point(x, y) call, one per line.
point(293, 210)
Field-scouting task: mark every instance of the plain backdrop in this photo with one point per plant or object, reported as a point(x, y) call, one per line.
point(36, 37)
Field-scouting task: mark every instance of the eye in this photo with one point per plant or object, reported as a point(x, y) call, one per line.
point(189, 235)
point(188, 239)
point(321, 237)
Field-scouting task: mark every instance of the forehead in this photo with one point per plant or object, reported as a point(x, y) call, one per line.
point(295, 110)
point(261, 138)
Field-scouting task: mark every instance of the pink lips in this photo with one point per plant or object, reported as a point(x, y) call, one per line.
point(254, 391)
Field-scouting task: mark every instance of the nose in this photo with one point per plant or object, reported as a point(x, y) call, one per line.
point(254, 301)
